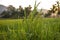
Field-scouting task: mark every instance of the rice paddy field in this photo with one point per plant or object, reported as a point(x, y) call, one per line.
point(30, 29)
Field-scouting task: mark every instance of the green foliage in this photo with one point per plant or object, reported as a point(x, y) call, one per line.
point(31, 28)
point(38, 29)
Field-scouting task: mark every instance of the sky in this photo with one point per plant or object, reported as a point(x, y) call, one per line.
point(45, 4)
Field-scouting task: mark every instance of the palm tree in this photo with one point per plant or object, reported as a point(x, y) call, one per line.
point(20, 12)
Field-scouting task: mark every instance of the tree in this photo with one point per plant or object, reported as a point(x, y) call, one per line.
point(20, 12)
point(58, 7)
point(27, 10)
point(12, 11)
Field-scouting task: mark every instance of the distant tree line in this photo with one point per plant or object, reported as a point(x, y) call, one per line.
point(12, 12)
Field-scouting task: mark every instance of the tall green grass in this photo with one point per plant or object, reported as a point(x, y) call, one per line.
point(39, 29)
point(33, 28)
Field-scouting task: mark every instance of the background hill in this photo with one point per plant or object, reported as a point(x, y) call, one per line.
point(2, 8)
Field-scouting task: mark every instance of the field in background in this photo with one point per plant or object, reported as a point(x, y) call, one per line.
point(30, 29)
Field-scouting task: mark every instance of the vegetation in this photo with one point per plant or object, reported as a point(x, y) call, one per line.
point(33, 28)
point(12, 12)
point(27, 29)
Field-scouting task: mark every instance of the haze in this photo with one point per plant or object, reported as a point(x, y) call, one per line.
point(45, 4)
